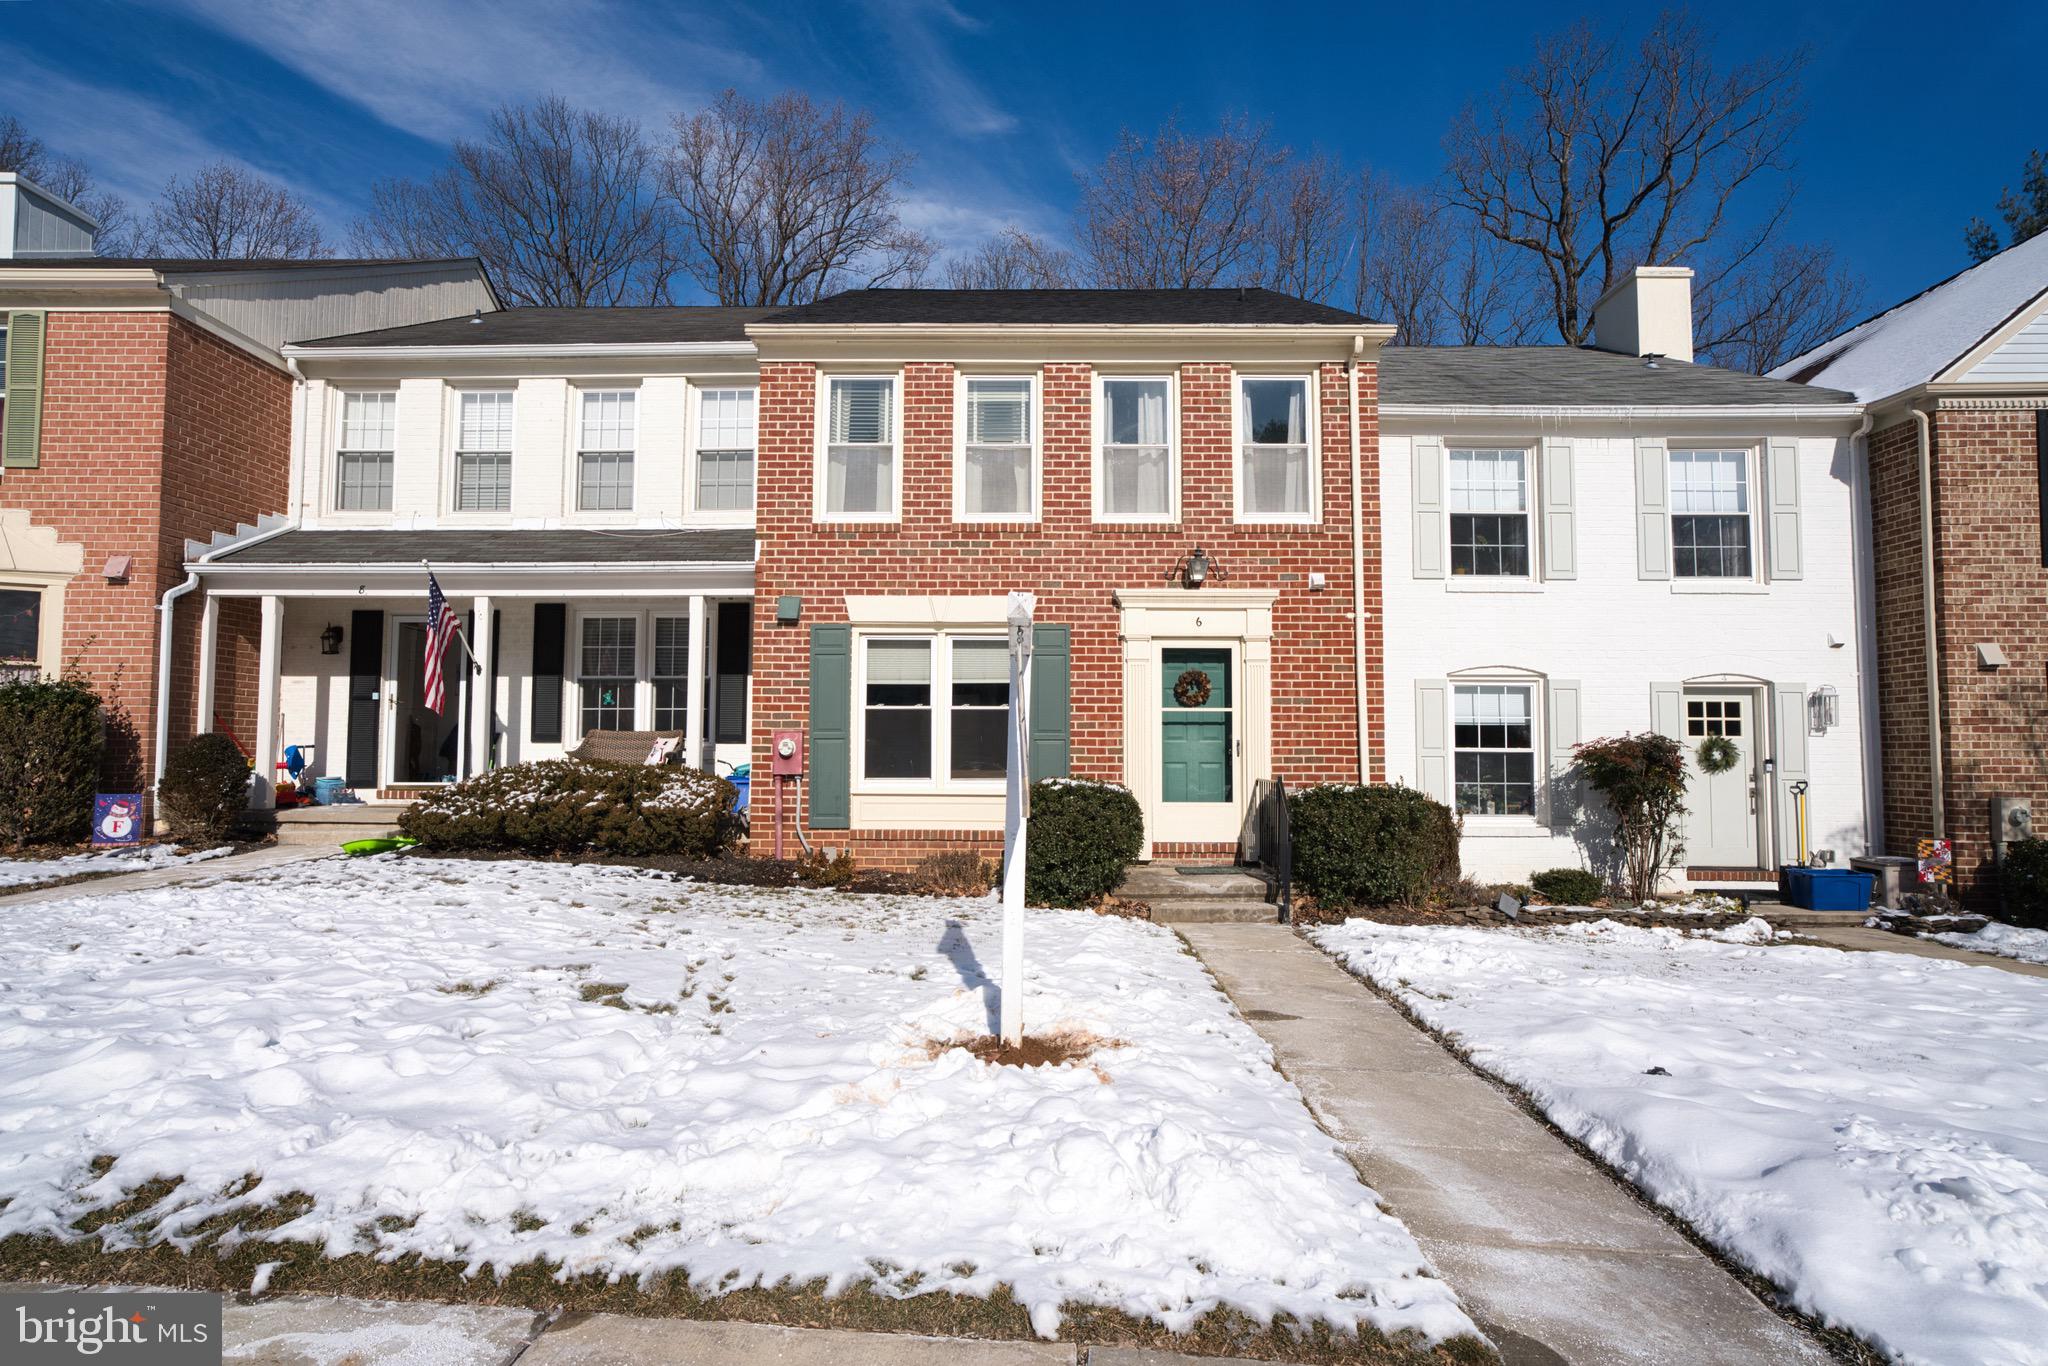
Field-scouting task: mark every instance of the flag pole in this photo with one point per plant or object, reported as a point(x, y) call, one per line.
point(475, 664)
point(476, 668)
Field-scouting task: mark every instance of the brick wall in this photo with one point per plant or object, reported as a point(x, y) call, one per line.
point(1901, 659)
point(1071, 563)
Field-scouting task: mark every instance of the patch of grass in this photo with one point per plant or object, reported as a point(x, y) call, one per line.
point(467, 988)
point(611, 994)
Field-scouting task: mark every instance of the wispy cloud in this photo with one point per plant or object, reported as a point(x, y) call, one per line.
point(917, 31)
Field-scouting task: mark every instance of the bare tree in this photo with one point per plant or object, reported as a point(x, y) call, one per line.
point(1311, 230)
point(785, 200)
point(1012, 259)
point(1176, 211)
point(227, 213)
point(555, 200)
point(68, 178)
point(1763, 312)
point(1429, 270)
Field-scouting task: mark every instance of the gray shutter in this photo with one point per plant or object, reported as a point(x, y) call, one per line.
point(365, 682)
point(1428, 496)
point(1565, 732)
point(1667, 709)
point(1433, 739)
point(1782, 477)
point(1653, 510)
point(550, 653)
point(21, 443)
point(1788, 725)
point(1560, 511)
point(831, 758)
point(1050, 703)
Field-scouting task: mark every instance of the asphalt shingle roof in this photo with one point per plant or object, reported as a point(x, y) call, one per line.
point(175, 265)
point(564, 327)
point(1068, 307)
point(733, 546)
point(1538, 376)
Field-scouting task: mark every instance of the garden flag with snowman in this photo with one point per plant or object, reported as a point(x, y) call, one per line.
point(1016, 815)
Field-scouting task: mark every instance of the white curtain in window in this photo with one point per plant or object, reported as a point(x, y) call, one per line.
point(998, 448)
point(1136, 463)
point(1273, 417)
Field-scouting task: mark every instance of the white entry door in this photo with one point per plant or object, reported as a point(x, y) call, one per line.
point(1722, 808)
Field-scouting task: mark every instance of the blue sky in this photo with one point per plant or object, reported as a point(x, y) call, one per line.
point(1913, 125)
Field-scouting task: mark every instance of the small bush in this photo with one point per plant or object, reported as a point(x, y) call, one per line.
point(827, 867)
point(1081, 838)
point(959, 872)
point(52, 735)
point(568, 806)
point(1642, 778)
point(1568, 886)
point(205, 787)
point(2023, 879)
point(1372, 846)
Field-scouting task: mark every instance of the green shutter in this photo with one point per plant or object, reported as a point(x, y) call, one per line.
point(1051, 708)
point(831, 755)
point(23, 439)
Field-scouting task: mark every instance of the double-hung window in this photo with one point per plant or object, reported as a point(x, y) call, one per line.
point(1710, 521)
point(1489, 493)
point(725, 450)
point(1276, 471)
point(1494, 749)
point(604, 451)
point(671, 673)
point(996, 480)
point(934, 710)
point(365, 452)
point(859, 482)
point(1134, 475)
point(483, 450)
point(21, 630)
point(608, 671)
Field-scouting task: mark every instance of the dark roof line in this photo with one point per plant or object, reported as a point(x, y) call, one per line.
point(192, 265)
point(1568, 376)
point(1233, 306)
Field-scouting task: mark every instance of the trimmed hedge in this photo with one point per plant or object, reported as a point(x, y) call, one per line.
point(1567, 886)
point(1371, 846)
point(1082, 836)
point(52, 735)
point(205, 788)
point(569, 806)
point(2023, 879)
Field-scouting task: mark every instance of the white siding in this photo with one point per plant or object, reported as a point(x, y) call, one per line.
point(273, 309)
point(44, 226)
point(2022, 359)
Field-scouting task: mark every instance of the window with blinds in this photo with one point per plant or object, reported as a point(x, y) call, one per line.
point(725, 450)
point(996, 478)
point(604, 451)
point(365, 452)
point(671, 673)
point(934, 711)
point(860, 450)
point(483, 451)
point(897, 710)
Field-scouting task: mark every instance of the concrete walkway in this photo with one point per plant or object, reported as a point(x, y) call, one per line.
point(178, 875)
point(1555, 1261)
point(1862, 940)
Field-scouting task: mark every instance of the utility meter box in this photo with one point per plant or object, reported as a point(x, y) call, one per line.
point(787, 753)
point(2012, 818)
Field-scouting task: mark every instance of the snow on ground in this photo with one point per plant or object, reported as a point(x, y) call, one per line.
point(1869, 1130)
point(2007, 941)
point(633, 1074)
point(135, 858)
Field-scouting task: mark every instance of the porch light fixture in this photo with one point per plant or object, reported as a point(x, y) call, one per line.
point(1823, 709)
point(330, 641)
point(1197, 569)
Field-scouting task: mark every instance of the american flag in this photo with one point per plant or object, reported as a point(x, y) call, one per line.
point(441, 629)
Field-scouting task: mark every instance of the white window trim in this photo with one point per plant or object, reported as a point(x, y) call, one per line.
point(821, 428)
point(338, 397)
point(1098, 411)
point(1036, 438)
point(572, 494)
point(941, 782)
point(693, 437)
point(643, 663)
point(1532, 455)
point(1538, 687)
point(1752, 450)
point(1312, 418)
point(451, 424)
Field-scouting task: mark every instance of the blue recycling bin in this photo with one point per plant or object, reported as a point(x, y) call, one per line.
point(1826, 889)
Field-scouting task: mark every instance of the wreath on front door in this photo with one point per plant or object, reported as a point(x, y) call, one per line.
point(1191, 689)
point(1718, 754)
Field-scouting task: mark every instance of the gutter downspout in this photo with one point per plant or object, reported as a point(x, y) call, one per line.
point(1866, 635)
point(1938, 808)
point(1358, 567)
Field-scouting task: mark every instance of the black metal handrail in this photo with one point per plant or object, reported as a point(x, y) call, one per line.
point(1283, 850)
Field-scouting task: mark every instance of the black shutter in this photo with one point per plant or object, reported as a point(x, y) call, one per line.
point(735, 667)
point(550, 634)
point(365, 681)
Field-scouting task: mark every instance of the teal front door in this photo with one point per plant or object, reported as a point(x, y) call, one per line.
point(1197, 745)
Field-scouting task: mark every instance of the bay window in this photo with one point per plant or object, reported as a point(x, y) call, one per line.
point(1134, 476)
point(1710, 521)
point(1489, 507)
point(934, 711)
point(1276, 471)
point(365, 452)
point(604, 451)
point(1493, 749)
point(483, 451)
point(996, 479)
point(725, 450)
point(859, 476)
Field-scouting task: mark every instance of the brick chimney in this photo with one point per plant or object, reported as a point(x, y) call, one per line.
point(1647, 312)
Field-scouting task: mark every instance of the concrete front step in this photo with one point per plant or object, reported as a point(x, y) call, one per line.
point(1144, 882)
point(332, 826)
point(1210, 910)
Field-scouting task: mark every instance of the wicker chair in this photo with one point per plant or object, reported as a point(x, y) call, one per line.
point(625, 746)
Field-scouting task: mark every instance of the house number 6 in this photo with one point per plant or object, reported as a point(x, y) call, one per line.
point(1198, 623)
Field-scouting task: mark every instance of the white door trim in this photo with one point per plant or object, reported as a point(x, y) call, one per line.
point(1755, 744)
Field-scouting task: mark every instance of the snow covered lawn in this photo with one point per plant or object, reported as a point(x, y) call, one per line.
point(1869, 1130)
point(498, 1062)
point(22, 872)
point(2007, 941)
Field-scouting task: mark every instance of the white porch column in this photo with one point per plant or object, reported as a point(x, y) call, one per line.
point(269, 661)
point(483, 701)
point(693, 723)
point(209, 659)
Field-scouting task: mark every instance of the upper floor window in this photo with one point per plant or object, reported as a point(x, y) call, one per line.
point(604, 451)
point(859, 481)
point(365, 452)
point(1493, 749)
point(1134, 476)
point(1276, 476)
point(483, 450)
point(996, 480)
point(725, 450)
point(1710, 520)
point(1489, 507)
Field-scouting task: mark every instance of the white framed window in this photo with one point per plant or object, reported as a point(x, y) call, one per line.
point(1493, 749)
point(483, 450)
point(1137, 451)
point(607, 434)
point(1712, 527)
point(21, 632)
point(932, 712)
point(608, 672)
point(722, 479)
point(995, 459)
point(365, 451)
point(1277, 475)
point(1488, 489)
point(859, 473)
point(670, 673)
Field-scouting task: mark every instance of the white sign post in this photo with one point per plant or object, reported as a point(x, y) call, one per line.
point(1016, 813)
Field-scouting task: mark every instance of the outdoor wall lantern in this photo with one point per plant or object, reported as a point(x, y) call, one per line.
point(1823, 709)
point(330, 641)
point(1197, 569)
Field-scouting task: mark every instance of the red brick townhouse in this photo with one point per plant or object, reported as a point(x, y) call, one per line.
point(147, 404)
point(1955, 381)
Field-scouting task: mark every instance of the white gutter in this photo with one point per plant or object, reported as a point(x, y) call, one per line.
point(1358, 567)
point(1860, 545)
point(1937, 812)
point(1622, 412)
point(520, 351)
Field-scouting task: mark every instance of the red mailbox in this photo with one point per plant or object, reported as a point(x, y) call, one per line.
point(787, 754)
